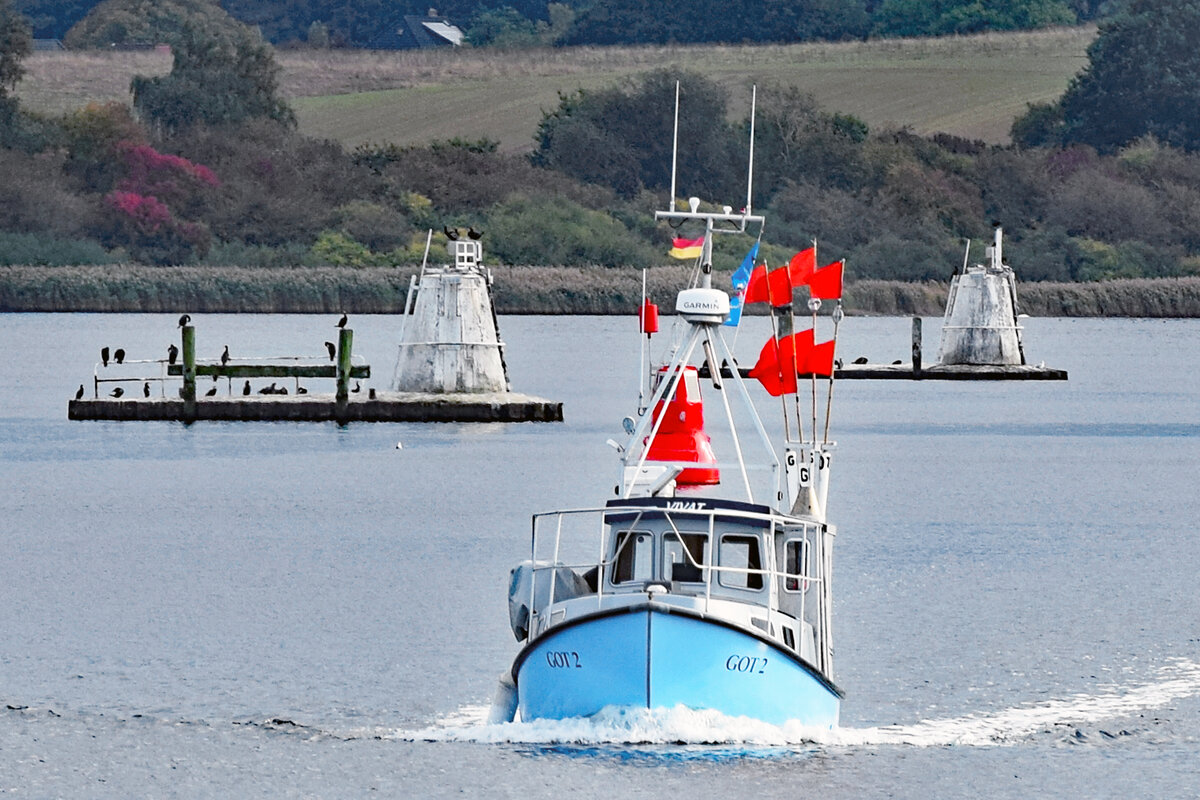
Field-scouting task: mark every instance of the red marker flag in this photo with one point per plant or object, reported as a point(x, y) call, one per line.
point(768, 287)
point(802, 266)
point(782, 360)
point(826, 283)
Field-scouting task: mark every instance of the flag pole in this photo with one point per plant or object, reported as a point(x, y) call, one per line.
point(750, 167)
point(837, 321)
point(643, 366)
point(814, 304)
point(779, 367)
point(674, 148)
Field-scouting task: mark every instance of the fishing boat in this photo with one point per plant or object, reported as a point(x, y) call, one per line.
point(705, 581)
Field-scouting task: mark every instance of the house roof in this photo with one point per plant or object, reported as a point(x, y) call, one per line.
point(416, 32)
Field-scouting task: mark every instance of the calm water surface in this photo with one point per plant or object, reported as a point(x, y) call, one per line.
point(302, 610)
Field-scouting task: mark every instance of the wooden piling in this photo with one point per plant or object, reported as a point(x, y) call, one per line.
point(916, 346)
point(345, 343)
point(188, 335)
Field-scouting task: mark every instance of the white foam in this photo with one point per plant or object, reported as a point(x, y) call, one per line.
point(680, 725)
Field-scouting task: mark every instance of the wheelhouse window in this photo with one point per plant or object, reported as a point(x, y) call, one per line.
point(737, 553)
point(684, 556)
point(634, 557)
point(795, 554)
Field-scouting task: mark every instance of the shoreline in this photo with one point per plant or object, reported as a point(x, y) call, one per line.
point(517, 290)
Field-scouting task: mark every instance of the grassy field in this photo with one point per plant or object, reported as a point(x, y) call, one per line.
point(971, 86)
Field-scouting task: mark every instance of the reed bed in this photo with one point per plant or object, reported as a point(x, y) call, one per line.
point(518, 290)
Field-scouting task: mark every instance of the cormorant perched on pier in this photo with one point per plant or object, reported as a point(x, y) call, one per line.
point(119, 356)
point(451, 233)
point(301, 390)
point(281, 390)
point(79, 394)
point(146, 389)
point(211, 392)
point(332, 350)
point(860, 360)
point(117, 392)
point(104, 356)
point(224, 358)
point(184, 320)
point(474, 234)
point(172, 353)
point(357, 387)
point(246, 388)
point(268, 389)
point(342, 321)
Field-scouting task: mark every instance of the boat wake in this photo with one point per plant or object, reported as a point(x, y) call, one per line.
point(684, 726)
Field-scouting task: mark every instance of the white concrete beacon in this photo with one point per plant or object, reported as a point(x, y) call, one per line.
point(450, 342)
point(980, 326)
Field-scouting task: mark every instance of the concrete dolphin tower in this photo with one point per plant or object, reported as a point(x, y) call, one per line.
point(980, 326)
point(450, 342)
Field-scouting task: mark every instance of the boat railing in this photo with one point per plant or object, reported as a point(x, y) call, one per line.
point(551, 550)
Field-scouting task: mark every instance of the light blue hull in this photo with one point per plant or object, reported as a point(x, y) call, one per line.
point(651, 659)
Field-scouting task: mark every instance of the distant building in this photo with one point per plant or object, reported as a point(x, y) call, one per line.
point(416, 32)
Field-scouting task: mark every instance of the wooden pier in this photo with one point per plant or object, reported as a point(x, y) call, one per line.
point(344, 405)
point(383, 407)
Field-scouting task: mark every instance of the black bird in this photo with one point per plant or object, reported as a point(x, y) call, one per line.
point(897, 361)
point(79, 394)
point(837, 363)
point(357, 387)
point(214, 378)
point(224, 357)
point(184, 320)
point(301, 390)
point(119, 356)
point(474, 234)
point(117, 392)
point(104, 356)
point(268, 389)
point(451, 233)
point(332, 350)
point(211, 392)
point(342, 321)
point(172, 353)
point(146, 389)
point(860, 360)
point(281, 390)
point(246, 388)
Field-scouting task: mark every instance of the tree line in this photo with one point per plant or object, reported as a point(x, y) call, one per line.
point(207, 168)
point(516, 23)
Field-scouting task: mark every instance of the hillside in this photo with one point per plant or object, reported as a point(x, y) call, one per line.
point(969, 86)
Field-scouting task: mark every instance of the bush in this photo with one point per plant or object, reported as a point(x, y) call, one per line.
point(555, 231)
point(43, 250)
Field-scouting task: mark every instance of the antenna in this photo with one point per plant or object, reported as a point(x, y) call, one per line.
point(674, 149)
point(750, 168)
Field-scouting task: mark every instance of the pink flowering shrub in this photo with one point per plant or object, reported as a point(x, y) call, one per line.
point(147, 213)
point(143, 221)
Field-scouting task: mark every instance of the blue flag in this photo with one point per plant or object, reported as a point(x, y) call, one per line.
point(739, 279)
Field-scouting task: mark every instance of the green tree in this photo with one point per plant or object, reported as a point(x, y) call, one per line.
point(147, 22)
point(15, 45)
point(213, 80)
point(1143, 77)
point(622, 137)
point(941, 17)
